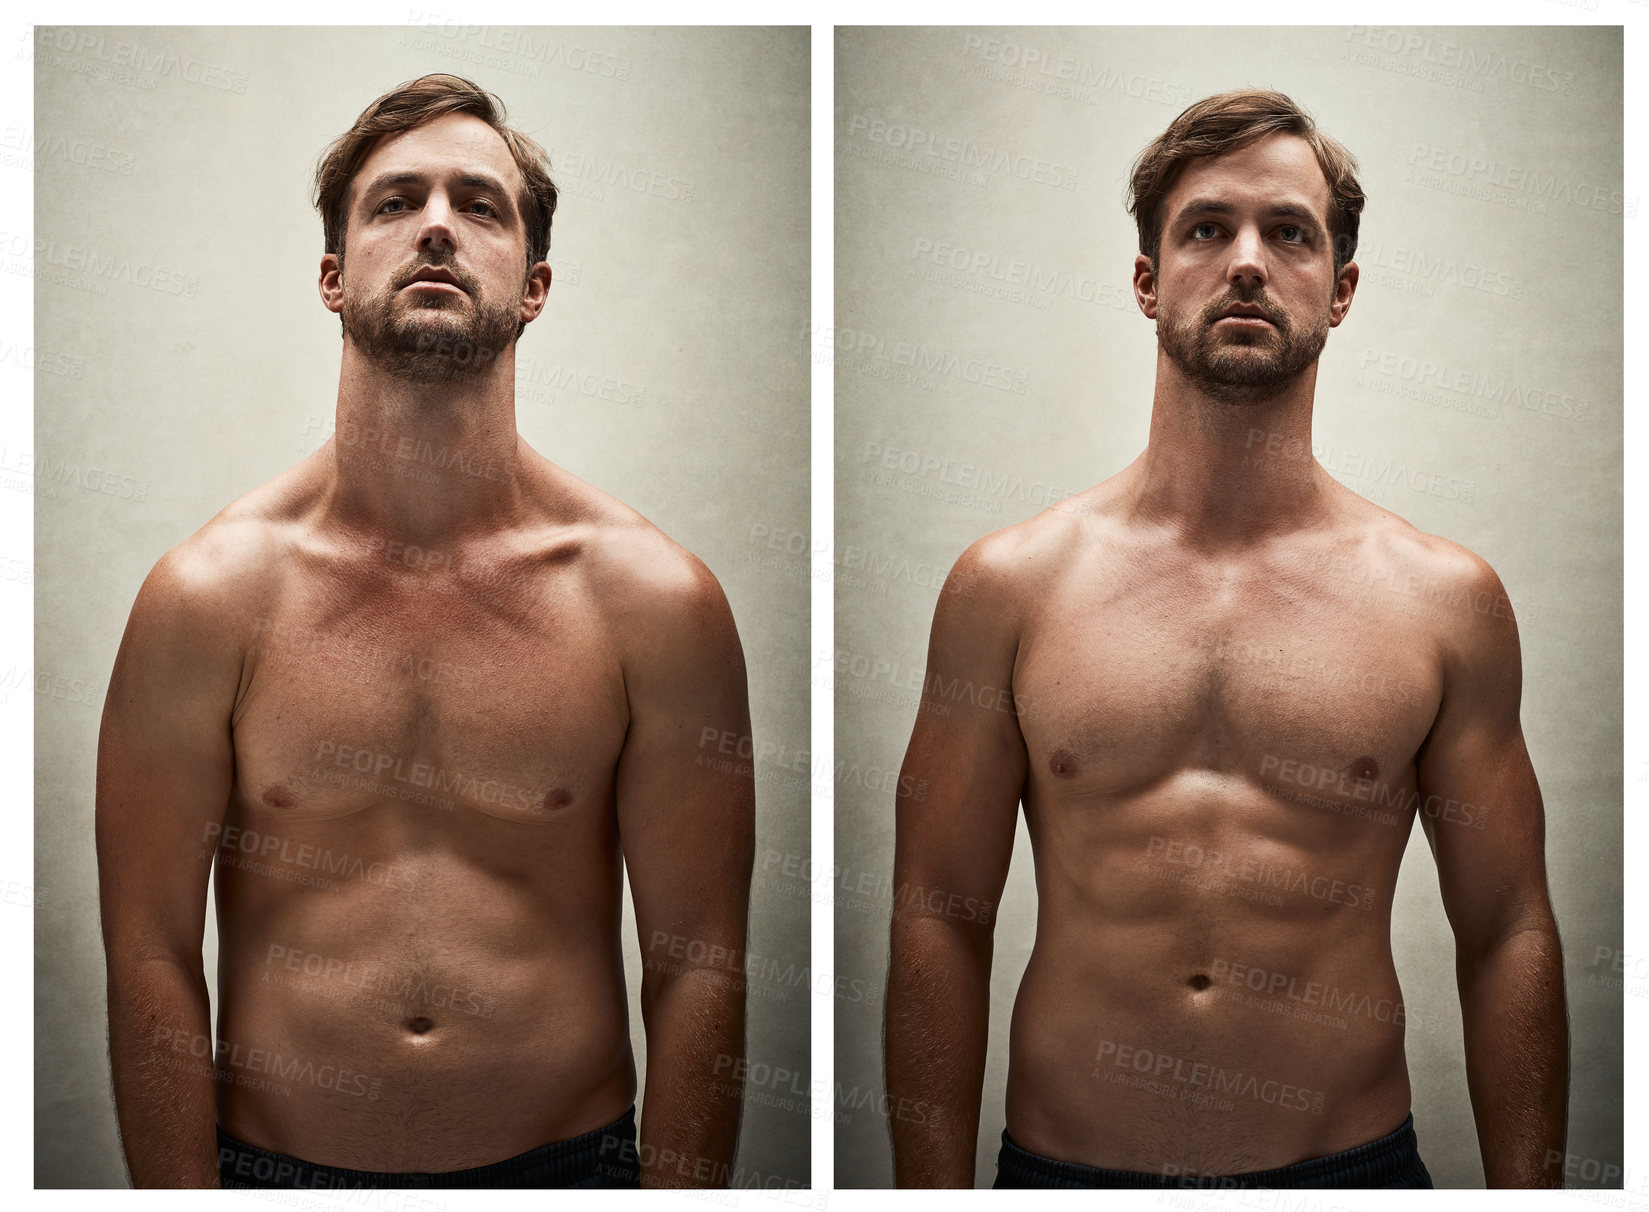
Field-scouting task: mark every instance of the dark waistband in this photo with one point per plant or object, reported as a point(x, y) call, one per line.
point(604, 1157)
point(1390, 1160)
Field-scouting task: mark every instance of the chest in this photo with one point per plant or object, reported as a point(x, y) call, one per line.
point(1251, 674)
point(428, 704)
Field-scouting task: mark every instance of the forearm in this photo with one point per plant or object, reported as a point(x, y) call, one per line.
point(161, 1054)
point(938, 1007)
point(1517, 1057)
point(695, 1080)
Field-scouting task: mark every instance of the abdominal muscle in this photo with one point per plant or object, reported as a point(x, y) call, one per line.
point(432, 1003)
point(1205, 995)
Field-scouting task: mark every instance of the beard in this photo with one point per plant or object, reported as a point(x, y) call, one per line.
point(1241, 366)
point(430, 336)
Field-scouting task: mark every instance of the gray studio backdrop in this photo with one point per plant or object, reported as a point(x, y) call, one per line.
point(990, 358)
point(185, 359)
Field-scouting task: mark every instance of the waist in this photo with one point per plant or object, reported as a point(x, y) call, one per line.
point(604, 1157)
point(1392, 1160)
point(517, 1051)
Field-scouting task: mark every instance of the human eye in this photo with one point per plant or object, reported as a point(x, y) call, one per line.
point(1212, 228)
point(491, 210)
point(385, 206)
point(1299, 236)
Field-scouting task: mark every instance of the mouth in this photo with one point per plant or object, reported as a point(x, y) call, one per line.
point(433, 278)
point(1244, 314)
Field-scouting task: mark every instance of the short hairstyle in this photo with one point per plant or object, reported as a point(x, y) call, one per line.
point(413, 104)
point(1226, 122)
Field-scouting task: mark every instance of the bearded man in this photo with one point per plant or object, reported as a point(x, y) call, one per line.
point(423, 699)
point(1235, 685)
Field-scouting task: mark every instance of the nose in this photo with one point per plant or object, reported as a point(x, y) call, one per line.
point(437, 227)
point(1246, 270)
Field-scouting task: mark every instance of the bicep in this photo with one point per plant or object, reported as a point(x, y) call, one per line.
point(1480, 802)
point(165, 765)
point(959, 786)
point(685, 787)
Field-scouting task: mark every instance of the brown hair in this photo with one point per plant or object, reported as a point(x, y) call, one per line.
point(413, 104)
point(1226, 122)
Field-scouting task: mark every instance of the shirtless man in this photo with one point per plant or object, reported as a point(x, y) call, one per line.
point(425, 697)
point(1234, 686)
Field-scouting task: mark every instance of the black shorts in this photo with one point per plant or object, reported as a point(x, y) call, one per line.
point(606, 1157)
point(1391, 1161)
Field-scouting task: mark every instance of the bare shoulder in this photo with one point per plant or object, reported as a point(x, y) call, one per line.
point(1455, 588)
point(642, 578)
point(1009, 568)
point(223, 574)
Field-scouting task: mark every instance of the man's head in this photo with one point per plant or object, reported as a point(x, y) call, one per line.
point(1242, 202)
point(430, 183)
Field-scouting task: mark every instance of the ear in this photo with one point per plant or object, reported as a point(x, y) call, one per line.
point(1145, 286)
point(1344, 287)
point(534, 292)
point(332, 282)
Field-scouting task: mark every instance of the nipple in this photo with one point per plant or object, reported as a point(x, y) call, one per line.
point(1063, 763)
point(554, 799)
point(1364, 769)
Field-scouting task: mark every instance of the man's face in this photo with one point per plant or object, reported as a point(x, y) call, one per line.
point(437, 280)
point(1246, 230)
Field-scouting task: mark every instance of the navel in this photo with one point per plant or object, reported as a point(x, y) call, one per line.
point(420, 1025)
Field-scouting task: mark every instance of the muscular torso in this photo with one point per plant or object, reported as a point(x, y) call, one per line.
point(1221, 783)
point(418, 883)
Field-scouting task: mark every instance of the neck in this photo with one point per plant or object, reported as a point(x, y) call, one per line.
point(425, 462)
point(1226, 472)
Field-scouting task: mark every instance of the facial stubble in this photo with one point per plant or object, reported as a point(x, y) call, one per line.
point(425, 336)
point(1244, 365)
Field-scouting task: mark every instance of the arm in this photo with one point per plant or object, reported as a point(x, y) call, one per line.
point(164, 769)
point(687, 828)
point(1482, 814)
point(956, 808)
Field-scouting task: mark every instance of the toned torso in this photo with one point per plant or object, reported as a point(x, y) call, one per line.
point(1221, 781)
point(418, 877)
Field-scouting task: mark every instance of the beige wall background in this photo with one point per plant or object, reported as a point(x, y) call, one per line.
point(184, 359)
point(989, 358)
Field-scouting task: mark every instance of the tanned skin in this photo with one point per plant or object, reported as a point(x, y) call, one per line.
point(1235, 684)
point(424, 698)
